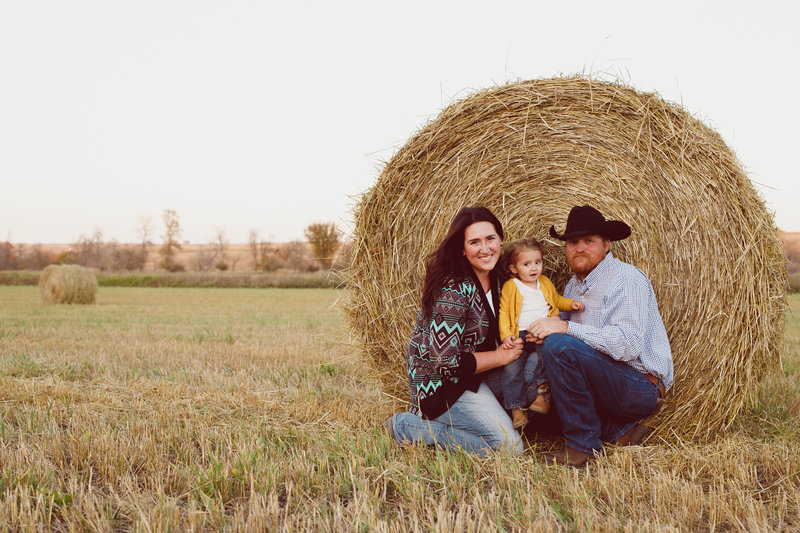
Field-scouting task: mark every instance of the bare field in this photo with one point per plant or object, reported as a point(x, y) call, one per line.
point(239, 409)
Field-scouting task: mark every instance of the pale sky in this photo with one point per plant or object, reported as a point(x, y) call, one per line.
point(272, 116)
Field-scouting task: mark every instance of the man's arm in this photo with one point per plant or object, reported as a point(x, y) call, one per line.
point(623, 320)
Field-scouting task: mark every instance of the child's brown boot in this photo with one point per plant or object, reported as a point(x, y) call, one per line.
point(542, 402)
point(519, 417)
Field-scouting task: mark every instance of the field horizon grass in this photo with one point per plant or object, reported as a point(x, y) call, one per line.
point(281, 279)
point(250, 409)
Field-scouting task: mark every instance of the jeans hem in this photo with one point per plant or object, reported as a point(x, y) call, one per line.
point(590, 451)
point(626, 428)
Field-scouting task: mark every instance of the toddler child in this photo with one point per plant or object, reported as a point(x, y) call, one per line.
point(525, 298)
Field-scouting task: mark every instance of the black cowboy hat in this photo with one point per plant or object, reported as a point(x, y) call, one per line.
point(587, 220)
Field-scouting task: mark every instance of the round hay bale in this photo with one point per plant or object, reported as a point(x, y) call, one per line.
point(529, 151)
point(67, 284)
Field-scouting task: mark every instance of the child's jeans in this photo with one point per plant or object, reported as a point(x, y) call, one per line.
point(519, 389)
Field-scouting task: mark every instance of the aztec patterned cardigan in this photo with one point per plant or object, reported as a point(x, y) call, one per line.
point(440, 355)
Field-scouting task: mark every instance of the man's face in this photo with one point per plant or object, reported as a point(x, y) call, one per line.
point(584, 253)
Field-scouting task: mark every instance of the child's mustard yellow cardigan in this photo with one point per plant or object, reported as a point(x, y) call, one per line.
point(511, 303)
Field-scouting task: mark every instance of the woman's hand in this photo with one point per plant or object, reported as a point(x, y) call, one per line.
point(543, 327)
point(508, 355)
point(500, 357)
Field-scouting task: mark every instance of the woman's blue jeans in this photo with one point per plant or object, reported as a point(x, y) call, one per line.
point(476, 423)
point(598, 398)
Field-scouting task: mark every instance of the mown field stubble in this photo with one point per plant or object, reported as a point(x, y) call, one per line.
point(245, 409)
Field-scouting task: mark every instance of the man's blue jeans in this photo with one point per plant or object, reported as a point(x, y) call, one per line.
point(598, 399)
point(476, 423)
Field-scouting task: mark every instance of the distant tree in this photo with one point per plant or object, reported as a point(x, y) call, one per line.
point(791, 249)
point(20, 251)
point(259, 250)
point(324, 241)
point(89, 250)
point(36, 258)
point(128, 257)
point(252, 240)
point(221, 244)
point(296, 255)
point(82, 250)
point(145, 230)
point(205, 257)
point(8, 256)
point(171, 241)
point(68, 257)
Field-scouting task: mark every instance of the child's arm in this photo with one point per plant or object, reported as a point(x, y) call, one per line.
point(505, 314)
point(508, 342)
point(559, 302)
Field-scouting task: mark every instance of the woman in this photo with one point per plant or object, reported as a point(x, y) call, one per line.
point(455, 340)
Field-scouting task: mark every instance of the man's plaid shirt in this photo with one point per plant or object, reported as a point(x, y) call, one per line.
point(621, 318)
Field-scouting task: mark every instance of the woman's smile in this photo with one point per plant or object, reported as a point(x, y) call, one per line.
point(482, 246)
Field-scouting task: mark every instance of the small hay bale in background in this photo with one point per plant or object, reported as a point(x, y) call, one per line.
point(529, 151)
point(67, 284)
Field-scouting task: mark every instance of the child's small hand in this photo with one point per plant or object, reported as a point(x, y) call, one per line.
point(508, 342)
point(577, 305)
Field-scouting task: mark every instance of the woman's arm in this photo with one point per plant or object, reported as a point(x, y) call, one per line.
point(499, 357)
point(444, 346)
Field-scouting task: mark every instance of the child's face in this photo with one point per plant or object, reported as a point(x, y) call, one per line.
point(528, 265)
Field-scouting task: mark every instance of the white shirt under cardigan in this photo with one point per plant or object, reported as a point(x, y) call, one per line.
point(534, 305)
point(621, 318)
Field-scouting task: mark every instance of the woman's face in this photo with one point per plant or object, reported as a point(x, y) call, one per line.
point(482, 246)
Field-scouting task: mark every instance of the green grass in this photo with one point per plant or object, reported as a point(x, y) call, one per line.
point(320, 279)
point(248, 409)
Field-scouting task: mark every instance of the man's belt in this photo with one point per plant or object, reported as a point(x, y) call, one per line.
point(655, 381)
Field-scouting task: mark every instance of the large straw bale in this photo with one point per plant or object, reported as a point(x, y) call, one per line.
point(529, 151)
point(67, 284)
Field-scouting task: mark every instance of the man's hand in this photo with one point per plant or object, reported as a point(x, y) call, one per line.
point(543, 327)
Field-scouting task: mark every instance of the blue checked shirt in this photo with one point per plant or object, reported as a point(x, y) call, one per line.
point(621, 318)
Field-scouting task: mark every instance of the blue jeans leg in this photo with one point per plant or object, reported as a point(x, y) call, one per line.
point(494, 378)
point(476, 423)
point(597, 397)
point(514, 383)
point(535, 374)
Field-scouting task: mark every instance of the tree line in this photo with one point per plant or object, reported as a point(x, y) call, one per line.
point(323, 250)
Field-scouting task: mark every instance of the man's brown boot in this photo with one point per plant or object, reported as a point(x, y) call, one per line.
point(568, 457)
point(634, 436)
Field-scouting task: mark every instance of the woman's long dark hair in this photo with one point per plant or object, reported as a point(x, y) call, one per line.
point(448, 260)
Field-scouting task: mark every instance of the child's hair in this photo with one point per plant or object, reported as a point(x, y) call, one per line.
point(512, 251)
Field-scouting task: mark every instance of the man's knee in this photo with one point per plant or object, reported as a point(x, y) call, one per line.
point(554, 348)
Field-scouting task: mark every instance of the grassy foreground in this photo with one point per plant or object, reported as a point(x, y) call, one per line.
point(240, 409)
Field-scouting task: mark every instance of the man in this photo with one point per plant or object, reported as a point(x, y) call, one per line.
point(608, 365)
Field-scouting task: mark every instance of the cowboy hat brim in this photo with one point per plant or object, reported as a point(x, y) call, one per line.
point(613, 230)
